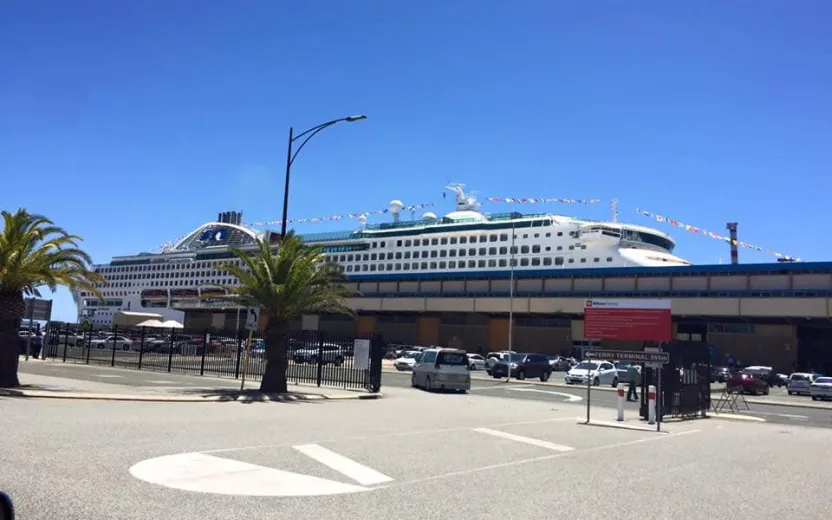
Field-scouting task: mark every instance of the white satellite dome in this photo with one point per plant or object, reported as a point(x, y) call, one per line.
point(429, 216)
point(396, 206)
point(362, 219)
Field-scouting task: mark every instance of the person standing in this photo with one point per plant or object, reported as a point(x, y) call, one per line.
point(632, 376)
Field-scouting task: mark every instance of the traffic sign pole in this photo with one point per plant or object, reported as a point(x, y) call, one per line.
point(245, 365)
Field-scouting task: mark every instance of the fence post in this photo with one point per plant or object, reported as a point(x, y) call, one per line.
point(58, 342)
point(89, 348)
point(377, 347)
point(204, 350)
point(115, 335)
point(66, 337)
point(141, 349)
point(239, 353)
point(320, 357)
point(170, 350)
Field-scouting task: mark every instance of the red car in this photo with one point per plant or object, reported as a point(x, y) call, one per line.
point(747, 383)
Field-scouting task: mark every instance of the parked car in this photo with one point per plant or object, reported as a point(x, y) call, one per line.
point(821, 389)
point(623, 368)
point(597, 372)
point(800, 383)
point(719, 374)
point(771, 377)
point(120, 342)
point(495, 357)
point(476, 362)
point(329, 353)
point(407, 360)
point(747, 383)
point(523, 366)
point(560, 363)
point(441, 369)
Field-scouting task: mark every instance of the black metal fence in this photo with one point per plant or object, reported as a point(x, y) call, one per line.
point(313, 357)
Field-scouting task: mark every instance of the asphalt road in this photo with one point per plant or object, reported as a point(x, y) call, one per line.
point(603, 398)
point(485, 387)
point(412, 454)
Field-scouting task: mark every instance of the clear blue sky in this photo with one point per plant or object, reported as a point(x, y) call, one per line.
point(132, 122)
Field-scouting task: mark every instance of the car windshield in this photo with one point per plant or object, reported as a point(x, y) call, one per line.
point(824, 380)
point(586, 365)
point(553, 358)
point(452, 358)
point(799, 377)
point(517, 358)
point(412, 355)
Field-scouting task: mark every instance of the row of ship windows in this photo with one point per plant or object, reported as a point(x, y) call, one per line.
point(469, 264)
point(164, 267)
point(175, 274)
point(174, 283)
point(444, 253)
point(473, 239)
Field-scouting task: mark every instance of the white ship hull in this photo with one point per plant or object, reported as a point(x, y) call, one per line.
point(463, 243)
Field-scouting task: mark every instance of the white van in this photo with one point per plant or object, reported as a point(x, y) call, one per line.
point(442, 369)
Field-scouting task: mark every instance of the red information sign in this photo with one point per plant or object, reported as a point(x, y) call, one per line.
point(641, 320)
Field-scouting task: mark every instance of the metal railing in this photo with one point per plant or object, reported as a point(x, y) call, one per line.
point(322, 359)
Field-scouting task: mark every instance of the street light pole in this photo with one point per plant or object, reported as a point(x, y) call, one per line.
point(511, 301)
point(291, 155)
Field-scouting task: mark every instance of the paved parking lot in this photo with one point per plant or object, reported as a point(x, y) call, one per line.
point(410, 454)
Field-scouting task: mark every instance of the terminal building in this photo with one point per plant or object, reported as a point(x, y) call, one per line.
point(770, 314)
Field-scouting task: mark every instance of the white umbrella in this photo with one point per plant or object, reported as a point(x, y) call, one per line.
point(171, 324)
point(151, 323)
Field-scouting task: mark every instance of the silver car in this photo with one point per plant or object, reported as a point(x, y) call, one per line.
point(442, 369)
point(821, 389)
point(800, 382)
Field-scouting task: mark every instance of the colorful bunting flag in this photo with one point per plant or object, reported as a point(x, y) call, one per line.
point(705, 232)
point(539, 200)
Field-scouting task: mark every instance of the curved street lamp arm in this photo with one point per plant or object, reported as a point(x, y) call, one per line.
point(318, 128)
point(313, 131)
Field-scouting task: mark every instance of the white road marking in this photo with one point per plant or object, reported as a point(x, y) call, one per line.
point(411, 433)
point(463, 472)
point(526, 440)
point(787, 415)
point(569, 397)
point(208, 474)
point(347, 467)
point(107, 375)
point(160, 382)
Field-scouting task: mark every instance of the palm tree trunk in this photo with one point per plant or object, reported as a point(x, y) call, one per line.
point(12, 309)
point(274, 377)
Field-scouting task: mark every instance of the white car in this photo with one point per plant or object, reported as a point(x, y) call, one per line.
point(597, 372)
point(120, 342)
point(496, 357)
point(407, 360)
point(800, 382)
point(821, 389)
point(476, 362)
point(442, 369)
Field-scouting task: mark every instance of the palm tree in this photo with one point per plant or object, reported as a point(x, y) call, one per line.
point(34, 253)
point(293, 282)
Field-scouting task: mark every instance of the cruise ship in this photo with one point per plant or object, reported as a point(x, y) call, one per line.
point(465, 240)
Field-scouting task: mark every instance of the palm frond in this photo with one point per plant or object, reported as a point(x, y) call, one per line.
point(34, 252)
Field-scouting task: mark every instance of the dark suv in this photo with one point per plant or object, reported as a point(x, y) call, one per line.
point(523, 366)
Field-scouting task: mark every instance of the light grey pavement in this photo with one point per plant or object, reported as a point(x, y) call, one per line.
point(412, 454)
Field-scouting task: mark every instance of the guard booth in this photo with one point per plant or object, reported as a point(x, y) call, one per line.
point(684, 390)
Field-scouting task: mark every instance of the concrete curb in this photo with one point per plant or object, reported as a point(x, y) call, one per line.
point(255, 398)
point(811, 404)
point(735, 417)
